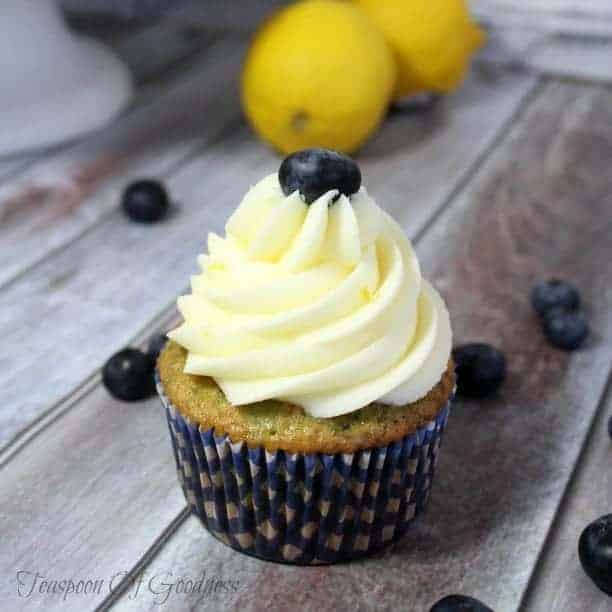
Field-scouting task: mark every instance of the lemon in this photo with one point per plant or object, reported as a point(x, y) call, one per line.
point(433, 41)
point(318, 73)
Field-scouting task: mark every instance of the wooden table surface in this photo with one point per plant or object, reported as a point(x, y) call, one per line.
point(506, 182)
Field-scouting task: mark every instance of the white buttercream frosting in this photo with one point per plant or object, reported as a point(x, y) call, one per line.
point(321, 305)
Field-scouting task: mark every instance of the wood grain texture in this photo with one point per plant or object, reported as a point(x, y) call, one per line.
point(65, 194)
point(541, 209)
point(102, 290)
point(559, 582)
point(96, 294)
point(95, 509)
point(540, 206)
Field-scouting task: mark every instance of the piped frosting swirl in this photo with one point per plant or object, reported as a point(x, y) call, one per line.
point(321, 305)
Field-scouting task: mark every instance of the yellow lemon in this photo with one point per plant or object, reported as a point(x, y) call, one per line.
point(433, 41)
point(318, 73)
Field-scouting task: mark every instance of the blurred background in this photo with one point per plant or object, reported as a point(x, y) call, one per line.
point(80, 85)
point(592, 16)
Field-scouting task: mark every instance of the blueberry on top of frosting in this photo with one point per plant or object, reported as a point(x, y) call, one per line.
point(319, 305)
point(314, 172)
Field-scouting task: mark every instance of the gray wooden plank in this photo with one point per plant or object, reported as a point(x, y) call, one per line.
point(537, 207)
point(85, 540)
point(107, 490)
point(57, 199)
point(86, 294)
point(541, 209)
point(559, 582)
point(106, 462)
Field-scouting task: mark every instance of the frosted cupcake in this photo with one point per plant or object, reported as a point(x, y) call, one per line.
point(308, 386)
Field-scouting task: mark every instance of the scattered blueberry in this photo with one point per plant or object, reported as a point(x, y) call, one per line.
point(128, 375)
point(565, 329)
point(459, 603)
point(145, 201)
point(316, 171)
point(552, 294)
point(480, 368)
point(595, 552)
point(156, 344)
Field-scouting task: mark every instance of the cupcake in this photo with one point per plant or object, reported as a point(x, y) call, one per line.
point(309, 384)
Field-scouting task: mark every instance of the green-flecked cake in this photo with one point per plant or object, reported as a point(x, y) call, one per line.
point(274, 424)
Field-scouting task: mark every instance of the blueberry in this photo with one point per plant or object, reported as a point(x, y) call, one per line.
point(565, 329)
point(610, 426)
point(595, 552)
point(128, 375)
point(145, 201)
point(156, 344)
point(554, 293)
point(480, 368)
point(316, 171)
point(459, 603)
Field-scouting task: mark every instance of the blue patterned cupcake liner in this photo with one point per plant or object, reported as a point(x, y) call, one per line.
point(304, 508)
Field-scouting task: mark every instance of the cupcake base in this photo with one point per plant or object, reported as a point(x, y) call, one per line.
point(300, 508)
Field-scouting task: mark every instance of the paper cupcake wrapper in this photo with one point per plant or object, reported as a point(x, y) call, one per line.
point(304, 508)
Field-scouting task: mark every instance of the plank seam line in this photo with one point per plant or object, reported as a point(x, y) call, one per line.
point(144, 560)
point(72, 398)
point(606, 393)
point(577, 80)
point(19, 168)
point(482, 158)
